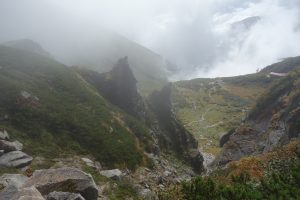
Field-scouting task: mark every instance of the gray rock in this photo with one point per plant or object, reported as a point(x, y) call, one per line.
point(15, 159)
point(274, 138)
point(8, 192)
point(88, 162)
point(11, 184)
point(4, 135)
point(64, 196)
point(98, 165)
point(64, 180)
point(113, 174)
point(147, 194)
point(18, 145)
point(10, 146)
point(13, 179)
point(29, 193)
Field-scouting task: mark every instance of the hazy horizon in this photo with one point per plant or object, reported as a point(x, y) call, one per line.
point(203, 38)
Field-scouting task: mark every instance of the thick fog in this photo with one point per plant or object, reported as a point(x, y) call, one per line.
point(203, 38)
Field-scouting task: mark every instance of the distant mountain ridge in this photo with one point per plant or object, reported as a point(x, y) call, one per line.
point(149, 68)
point(28, 45)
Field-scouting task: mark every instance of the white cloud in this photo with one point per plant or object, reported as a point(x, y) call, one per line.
point(272, 38)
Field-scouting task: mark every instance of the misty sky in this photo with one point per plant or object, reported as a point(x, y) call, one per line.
point(204, 38)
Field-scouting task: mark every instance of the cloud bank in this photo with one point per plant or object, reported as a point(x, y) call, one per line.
point(203, 38)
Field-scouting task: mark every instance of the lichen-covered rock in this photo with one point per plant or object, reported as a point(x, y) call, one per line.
point(64, 180)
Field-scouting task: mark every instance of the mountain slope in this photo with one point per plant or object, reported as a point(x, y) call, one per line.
point(273, 121)
point(118, 86)
point(102, 53)
point(210, 108)
point(53, 111)
point(28, 45)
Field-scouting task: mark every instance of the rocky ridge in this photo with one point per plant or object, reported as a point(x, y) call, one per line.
point(119, 87)
point(273, 122)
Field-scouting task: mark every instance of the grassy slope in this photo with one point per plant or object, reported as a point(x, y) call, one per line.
point(70, 116)
point(211, 107)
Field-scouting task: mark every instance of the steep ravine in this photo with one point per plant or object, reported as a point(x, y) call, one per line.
point(119, 87)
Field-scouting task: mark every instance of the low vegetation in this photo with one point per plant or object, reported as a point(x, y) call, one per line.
point(60, 114)
point(280, 179)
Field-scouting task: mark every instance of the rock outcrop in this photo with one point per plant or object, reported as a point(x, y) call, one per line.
point(64, 180)
point(273, 122)
point(119, 87)
point(171, 133)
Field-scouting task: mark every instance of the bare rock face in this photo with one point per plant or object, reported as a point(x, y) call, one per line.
point(274, 121)
point(16, 159)
point(171, 133)
point(64, 180)
point(11, 184)
point(64, 196)
point(30, 193)
point(119, 87)
point(196, 160)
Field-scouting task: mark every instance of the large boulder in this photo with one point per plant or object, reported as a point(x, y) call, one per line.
point(4, 135)
point(15, 159)
point(11, 184)
point(64, 180)
point(30, 193)
point(8, 192)
point(10, 146)
point(113, 174)
point(13, 179)
point(64, 196)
